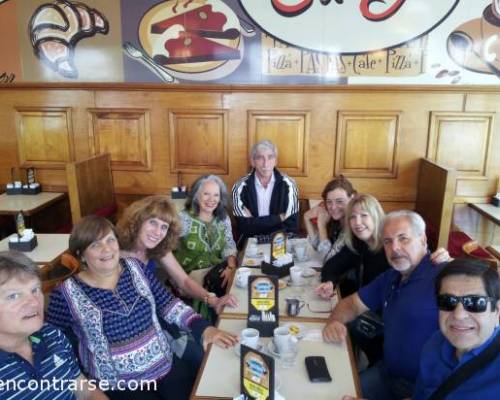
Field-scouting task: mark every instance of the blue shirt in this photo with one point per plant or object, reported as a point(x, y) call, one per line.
point(438, 361)
point(53, 360)
point(409, 312)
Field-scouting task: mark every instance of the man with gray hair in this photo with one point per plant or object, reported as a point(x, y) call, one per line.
point(404, 295)
point(265, 200)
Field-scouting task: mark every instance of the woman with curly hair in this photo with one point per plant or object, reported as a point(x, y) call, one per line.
point(149, 231)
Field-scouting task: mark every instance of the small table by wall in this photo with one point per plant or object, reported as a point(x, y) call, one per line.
point(492, 214)
point(28, 204)
point(49, 249)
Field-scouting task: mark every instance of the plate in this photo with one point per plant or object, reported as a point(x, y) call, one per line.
point(308, 272)
point(297, 330)
point(237, 348)
point(282, 284)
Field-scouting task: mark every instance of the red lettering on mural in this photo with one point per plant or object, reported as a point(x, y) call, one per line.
point(364, 7)
point(291, 10)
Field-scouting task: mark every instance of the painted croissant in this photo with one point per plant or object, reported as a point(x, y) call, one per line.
point(55, 28)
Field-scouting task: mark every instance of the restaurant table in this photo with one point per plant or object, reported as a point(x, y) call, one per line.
point(49, 249)
point(315, 307)
point(219, 376)
point(488, 210)
point(28, 204)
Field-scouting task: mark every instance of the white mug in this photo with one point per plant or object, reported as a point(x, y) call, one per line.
point(242, 275)
point(250, 337)
point(296, 275)
point(282, 338)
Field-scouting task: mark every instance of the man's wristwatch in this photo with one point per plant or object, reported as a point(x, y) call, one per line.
point(208, 296)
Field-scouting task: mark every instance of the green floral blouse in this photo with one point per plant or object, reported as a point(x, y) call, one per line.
point(204, 244)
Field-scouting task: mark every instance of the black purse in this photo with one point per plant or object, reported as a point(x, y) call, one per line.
point(213, 281)
point(369, 325)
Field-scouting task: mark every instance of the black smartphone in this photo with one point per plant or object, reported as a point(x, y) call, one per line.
point(317, 369)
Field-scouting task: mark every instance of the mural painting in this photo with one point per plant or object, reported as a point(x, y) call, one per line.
point(253, 42)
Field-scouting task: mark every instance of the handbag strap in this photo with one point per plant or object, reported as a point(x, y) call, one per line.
point(467, 370)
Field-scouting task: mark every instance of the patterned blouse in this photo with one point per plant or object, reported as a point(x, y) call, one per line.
point(118, 331)
point(204, 244)
point(328, 247)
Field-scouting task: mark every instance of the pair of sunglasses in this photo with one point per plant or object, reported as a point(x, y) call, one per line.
point(471, 303)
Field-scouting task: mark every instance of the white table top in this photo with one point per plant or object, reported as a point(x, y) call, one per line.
point(28, 204)
point(488, 210)
point(313, 303)
point(50, 246)
point(220, 374)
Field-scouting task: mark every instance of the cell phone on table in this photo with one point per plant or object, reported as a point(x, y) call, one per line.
point(317, 369)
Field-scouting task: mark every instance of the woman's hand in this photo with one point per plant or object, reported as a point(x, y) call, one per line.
point(219, 337)
point(218, 303)
point(311, 213)
point(323, 216)
point(325, 290)
point(226, 274)
point(441, 255)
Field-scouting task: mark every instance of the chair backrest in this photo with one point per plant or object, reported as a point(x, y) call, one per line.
point(474, 250)
point(90, 187)
point(435, 192)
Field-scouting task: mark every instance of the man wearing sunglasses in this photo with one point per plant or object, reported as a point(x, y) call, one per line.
point(468, 298)
point(405, 296)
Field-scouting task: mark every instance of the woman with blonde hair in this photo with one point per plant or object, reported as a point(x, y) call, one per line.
point(149, 231)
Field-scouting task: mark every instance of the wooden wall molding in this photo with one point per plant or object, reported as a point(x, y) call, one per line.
point(367, 143)
point(45, 137)
point(289, 130)
point(125, 134)
point(198, 141)
point(461, 140)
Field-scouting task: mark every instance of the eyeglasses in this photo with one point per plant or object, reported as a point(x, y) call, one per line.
point(471, 303)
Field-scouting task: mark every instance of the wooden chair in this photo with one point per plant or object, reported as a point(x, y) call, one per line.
point(54, 274)
point(435, 191)
point(474, 250)
point(90, 187)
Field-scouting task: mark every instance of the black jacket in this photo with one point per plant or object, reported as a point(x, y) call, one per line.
point(284, 200)
point(365, 265)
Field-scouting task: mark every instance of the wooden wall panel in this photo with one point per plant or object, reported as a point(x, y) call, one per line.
point(289, 130)
point(44, 137)
point(367, 144)
point(310, 116)
point(125, 134)
point(461, 140)
point(198, 141)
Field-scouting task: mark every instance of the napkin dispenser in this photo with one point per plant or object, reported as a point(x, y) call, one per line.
point(26, 242)
point(496, 200)
point(179, 192)
point(14, 188)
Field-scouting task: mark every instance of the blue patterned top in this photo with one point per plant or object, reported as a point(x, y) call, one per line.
point(118, 330)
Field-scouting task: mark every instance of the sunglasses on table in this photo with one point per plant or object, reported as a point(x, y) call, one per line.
point(471, 303)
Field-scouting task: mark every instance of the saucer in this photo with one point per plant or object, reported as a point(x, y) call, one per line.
point(237, 348)
point(296, 329)
point(308, 272)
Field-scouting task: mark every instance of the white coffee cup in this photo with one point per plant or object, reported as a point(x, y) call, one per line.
point(296, 275)
point(242, 275)
point(300, 250)
point(250, 337)
point(282, 338)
